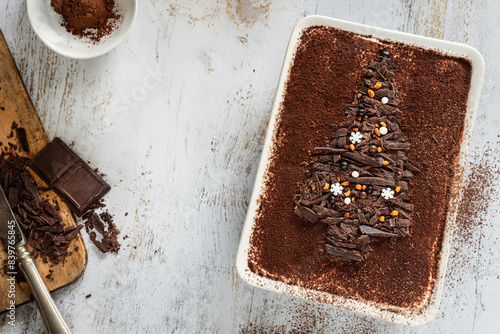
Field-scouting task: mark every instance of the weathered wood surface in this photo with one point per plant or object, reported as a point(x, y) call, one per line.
point(175, 116)
point(17, 107)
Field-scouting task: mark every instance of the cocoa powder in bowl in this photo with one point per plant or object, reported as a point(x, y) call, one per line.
point(87, 18)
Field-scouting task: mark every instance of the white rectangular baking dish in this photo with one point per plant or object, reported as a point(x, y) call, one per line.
point(412, 317)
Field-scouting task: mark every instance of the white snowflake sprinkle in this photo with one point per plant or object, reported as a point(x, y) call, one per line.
point(336, 189)
point(387, 193)
point(355, 137)
point(383, 130)
point(384, 100)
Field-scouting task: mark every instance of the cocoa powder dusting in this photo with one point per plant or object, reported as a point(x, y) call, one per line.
point(472, 218)
point(93, 19)
point(433, 89)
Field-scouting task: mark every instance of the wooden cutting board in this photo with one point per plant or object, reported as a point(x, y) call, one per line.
point(16, 106)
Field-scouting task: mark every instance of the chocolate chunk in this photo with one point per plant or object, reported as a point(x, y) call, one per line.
point(347, 229)
point(362, 218)
point(373, 232)
point(363, 240)
point(330, 149)
point(362, 158)
point(387, 157)
point(394, 145)
point(306, 213)
point(404, 223)
point(411, 168)
point(332, 220)
point(342, 141)
point(354, 222)
point(326, 158)
point(403, 185)
point(341, 133)
point(103, 224)
point(100, 245)
point(407, 174)
point(337, 243)
point(385, 92)
point(69, 176)
point(51, 229)
point(335, 231)
point(324, 212)
point(399, 202)
point(22, 138)
point(30, 186)
point(71, 235)
point(404, 214)
point(361, 171)
point(49, 219)
point(375, 181)
point(96, 223)
point(13, 197)
point(322, 167)
point(342, 253)
point(363, 90)
point(403, 197)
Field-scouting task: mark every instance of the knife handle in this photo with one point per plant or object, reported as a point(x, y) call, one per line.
point(53, 319)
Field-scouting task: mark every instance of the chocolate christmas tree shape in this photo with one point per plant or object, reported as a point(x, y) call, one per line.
point(358, 183)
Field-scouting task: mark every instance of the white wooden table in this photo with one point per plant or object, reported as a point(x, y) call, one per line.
point(175, 116)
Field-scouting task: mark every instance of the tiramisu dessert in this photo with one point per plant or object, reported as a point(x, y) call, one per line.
point(358, 186)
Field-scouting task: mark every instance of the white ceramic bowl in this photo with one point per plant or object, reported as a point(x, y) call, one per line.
point(426, 312)
point(47, 25)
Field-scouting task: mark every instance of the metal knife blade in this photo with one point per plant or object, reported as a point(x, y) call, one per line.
point(10, 231)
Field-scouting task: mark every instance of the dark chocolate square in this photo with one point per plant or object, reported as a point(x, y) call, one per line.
point(81, 187)
point(69, 176)
point(53, 161)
